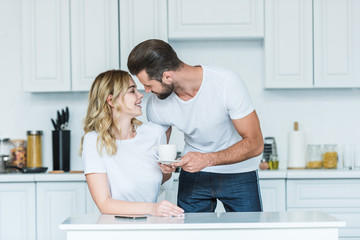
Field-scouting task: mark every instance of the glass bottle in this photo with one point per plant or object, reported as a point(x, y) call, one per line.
point(330, 156)
point(34, 149)
point(4, 147)
point(18, 153)
point(313, 158)
point(274, 162)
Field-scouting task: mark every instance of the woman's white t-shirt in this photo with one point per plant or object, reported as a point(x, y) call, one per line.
point(133, 173)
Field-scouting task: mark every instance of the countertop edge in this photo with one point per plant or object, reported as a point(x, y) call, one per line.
point(316, 174)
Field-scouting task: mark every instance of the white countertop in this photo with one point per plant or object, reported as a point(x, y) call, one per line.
point(322, 174)
point(41, 177)
point(230, 220)
point(263, 174)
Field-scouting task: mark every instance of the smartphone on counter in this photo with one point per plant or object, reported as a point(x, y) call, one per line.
point(131, 216)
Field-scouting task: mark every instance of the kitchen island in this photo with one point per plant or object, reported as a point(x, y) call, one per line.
point(249, 225)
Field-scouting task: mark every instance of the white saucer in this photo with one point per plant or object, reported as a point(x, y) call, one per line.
point(169, 161)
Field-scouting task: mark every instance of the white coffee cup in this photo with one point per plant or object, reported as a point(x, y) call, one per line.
point(165, 152)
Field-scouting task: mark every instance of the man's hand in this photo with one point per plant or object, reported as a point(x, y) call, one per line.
point(194, 162)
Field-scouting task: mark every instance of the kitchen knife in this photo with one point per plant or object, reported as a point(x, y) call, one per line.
point(67, 116)
point(59, 117)
point(58, 124)
point(54, 124)
point(63, 119)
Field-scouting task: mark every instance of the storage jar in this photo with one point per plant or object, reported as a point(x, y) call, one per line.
point(330, 156)
point(18, 153)
point(34, 149)
point(313, 158)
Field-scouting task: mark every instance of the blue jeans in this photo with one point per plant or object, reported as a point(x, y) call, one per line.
point(239, 192)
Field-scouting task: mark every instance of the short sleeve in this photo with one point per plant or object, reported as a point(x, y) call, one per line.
point(237, 97)
point(92, 160)
point(151, 112)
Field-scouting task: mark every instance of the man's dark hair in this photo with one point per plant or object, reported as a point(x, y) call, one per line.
point(155, 57)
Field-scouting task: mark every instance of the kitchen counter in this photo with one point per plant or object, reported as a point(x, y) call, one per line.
point(41, 177)
point(322, 174)
point(249, 225)
point(263, 174)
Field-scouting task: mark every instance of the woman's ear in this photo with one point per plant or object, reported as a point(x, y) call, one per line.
point(109, 100)
point(167, 77)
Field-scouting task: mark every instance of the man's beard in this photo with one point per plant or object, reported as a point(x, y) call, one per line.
point(167, 90)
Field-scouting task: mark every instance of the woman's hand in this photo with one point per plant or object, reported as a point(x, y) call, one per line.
point(167, 168)
point(166, 209)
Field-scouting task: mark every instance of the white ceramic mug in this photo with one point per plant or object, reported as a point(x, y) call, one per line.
point(165, 152)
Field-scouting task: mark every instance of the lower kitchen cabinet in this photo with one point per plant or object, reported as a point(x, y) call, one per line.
point(55, 202)
point(339, 198)
point(17, 211)
point(272, 194)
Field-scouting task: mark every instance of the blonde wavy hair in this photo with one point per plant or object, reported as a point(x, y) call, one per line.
point(99, 115)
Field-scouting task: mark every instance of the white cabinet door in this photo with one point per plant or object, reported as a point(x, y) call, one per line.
point(66, 44)
point(140, 20)
point(94, 40)
point(46, 45)
point(55, 202)
point(288, 44)
point(226, 19)
point(336, 43)
point(273, 194)
point(17, 211)
point(339, 198)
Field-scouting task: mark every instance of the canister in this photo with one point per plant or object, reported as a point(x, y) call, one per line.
point(330, 156)
point(313, 158)
point(4, 146)
point(34, 149)
point(18, 153)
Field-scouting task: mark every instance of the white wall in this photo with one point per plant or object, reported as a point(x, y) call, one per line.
point(327, 116)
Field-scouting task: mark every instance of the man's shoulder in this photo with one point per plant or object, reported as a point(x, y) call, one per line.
point(221, 73)
point(218, 69)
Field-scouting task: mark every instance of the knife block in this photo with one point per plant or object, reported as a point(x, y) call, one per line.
point(61, 150)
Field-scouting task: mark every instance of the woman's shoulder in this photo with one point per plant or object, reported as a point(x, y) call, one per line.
point(91, 136)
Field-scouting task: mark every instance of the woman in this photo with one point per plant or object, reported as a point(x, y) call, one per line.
point(120, 168)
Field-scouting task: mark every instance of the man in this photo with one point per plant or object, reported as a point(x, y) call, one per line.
point(213, 109)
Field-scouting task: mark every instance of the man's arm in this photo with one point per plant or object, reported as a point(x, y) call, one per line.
point(251, 145)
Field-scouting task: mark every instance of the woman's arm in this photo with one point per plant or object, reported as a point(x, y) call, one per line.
point(167, 171)
point(100, 192)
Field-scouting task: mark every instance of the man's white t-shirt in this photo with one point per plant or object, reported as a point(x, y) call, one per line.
point(205, 119)
point(133, 173)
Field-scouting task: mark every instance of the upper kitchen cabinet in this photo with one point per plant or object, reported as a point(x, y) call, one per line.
point(312, 44)
point(214, 19)
point(288, 43)
point(336, 43)
point(140, 20)
point(66, 44)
